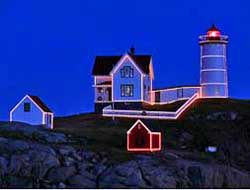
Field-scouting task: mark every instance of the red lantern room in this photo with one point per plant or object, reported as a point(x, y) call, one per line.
point(213, 33)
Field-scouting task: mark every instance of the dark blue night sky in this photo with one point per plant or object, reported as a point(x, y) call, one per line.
point(47, 47)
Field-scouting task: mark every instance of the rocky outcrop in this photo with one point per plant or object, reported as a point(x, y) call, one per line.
point(153, 172)
point(37, 158)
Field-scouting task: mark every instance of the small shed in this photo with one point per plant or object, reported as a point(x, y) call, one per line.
point(141, 139)
point(32, 110)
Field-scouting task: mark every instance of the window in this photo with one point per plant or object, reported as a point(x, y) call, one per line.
point(99, 98)
point(127, 72)
point(180, 93)
point(127, 90)
point(26, 107)
point(100, 90)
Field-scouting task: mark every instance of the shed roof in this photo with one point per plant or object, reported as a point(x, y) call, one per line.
point(40, 103)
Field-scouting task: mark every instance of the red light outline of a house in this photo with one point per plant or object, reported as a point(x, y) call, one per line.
point(151, 134)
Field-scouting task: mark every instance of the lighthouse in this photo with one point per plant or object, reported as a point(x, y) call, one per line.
point(213, 64)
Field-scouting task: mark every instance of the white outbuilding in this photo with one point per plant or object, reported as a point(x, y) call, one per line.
point(32, 110)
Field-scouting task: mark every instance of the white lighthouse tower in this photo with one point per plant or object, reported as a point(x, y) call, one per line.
point(213, 60)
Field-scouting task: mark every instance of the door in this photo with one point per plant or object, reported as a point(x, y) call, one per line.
point(48, 120)
point(109, 95)
point(158, 96)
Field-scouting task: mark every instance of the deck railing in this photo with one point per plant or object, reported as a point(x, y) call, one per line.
point(146, 114)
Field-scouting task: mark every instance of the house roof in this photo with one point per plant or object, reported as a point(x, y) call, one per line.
point(104, 64)
point(40, 103)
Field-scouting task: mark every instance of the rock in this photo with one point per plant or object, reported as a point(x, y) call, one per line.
point(212, 176)
point(79, 181)
point(158, 175)
point(87, 155)
point(3, 166)
point(66, 150)
point(4, 145)
point(41, 168)
point(186, 137)
point(15, 164)
point(194, 174)
point(233, 115)
point(88, 175)
point(127, 174)
point(61, 185)
point(99, 168)
point(76, 156)
point(22, 129)
point(57, 175)
point(49, 137)
point(19, 183)
point(17, 146)
point(43, 148)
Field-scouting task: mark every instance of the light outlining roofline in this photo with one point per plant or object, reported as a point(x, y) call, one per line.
point(102, 76)
point(137, 100)
point(134, 125)
point(175, 88)
point(213, 83)
point(121, 61)
point(104, 101)
point(102, 85)
point(211, 97)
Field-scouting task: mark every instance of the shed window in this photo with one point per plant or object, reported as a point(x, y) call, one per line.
point(26, 107)
point(127, 72)
point(127, 90)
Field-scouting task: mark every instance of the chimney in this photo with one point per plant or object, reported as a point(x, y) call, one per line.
point(132, 50)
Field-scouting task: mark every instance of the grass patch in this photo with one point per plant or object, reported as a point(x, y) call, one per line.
point(109, 136)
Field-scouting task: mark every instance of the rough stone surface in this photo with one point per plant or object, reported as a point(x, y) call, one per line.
point(80, 181)
point(45, 159)
point(61, 174)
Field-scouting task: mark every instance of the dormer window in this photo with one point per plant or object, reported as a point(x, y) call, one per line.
point(127, 72)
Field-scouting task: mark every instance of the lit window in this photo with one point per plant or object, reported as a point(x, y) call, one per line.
point(26, 107)
point(127, 90)
point(100, 90)
point(127, 72)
